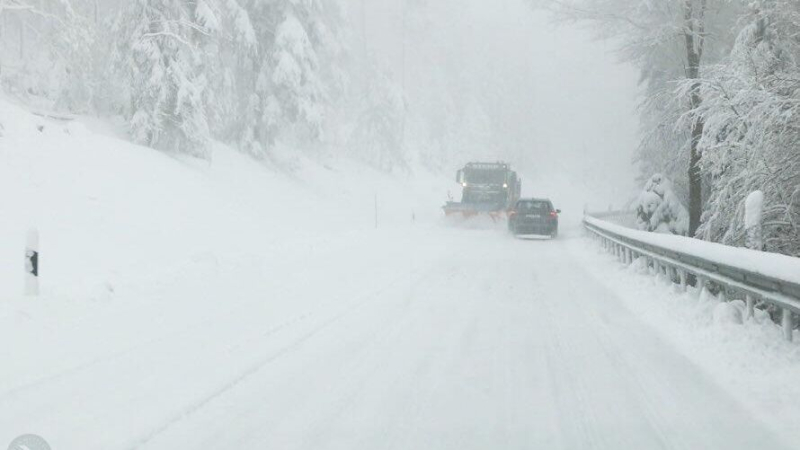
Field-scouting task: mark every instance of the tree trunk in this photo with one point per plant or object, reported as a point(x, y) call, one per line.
point(21, 38)
point(694, 37)
point(695, 179)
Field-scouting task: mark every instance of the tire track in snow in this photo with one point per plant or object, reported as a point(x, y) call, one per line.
point(11, 394)
point(350, 361)
point(458, 334)
point(189, 410)
point(572, 358)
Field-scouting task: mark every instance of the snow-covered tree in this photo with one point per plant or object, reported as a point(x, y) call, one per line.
point(663, 147)
point(659, 209)
point(74, 50)
point(293, 71)
point(378, 135)
point(226, 37)
point(48, 47)
point(752, 117)
point(668, 40)
point(158, 61)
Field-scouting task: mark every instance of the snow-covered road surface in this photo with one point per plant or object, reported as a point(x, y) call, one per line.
point(418, 338)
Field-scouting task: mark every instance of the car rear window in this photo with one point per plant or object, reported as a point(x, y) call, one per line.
point(533, 206)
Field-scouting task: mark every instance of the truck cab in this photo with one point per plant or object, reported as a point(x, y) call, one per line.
point(489, 185)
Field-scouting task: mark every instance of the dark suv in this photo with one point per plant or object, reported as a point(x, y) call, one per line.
point(534, 216)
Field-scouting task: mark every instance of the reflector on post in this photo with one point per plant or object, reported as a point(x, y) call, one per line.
point(32, 263)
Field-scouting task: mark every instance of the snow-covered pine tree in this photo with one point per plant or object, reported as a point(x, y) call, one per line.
point(47, 47)
point(157, 59)
point(226, 36)
point(73, 50)
point(298, 43)
point(378, 134)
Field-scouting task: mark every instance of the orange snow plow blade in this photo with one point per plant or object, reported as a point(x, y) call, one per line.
point(471, 210)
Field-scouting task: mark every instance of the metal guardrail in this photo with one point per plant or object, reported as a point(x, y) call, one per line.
point(624, 218)
point(680, 267)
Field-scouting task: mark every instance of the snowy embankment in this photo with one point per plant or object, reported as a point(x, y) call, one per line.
point(137, 246)
point(749, 358)
point(109, 211)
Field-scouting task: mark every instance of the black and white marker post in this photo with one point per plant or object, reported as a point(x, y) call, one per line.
point(32, 263)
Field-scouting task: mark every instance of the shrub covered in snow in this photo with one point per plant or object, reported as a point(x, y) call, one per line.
point(658, 208)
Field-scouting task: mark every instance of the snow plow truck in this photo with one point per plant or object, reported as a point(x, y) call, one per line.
point(486, 188)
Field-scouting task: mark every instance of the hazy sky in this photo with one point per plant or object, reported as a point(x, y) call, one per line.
point(551, 90)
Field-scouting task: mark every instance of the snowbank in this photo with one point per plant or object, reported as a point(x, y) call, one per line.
point(748, 358)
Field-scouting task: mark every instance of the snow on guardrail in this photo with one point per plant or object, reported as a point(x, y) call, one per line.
point(622, 218)
point(769, 277)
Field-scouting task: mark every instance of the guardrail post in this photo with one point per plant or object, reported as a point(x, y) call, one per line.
point(787, 324)
point(701, 285)
point(685, 273)
point(682, 277)
point(751, 305)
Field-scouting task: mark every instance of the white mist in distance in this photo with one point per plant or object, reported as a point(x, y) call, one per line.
point(559, 106)
point(275, 286)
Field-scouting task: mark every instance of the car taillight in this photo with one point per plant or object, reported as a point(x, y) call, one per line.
point(553, 214)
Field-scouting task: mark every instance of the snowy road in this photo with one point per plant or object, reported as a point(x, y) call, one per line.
point(430, 339)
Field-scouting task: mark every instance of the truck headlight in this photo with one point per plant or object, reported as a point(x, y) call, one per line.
point(505, 185)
